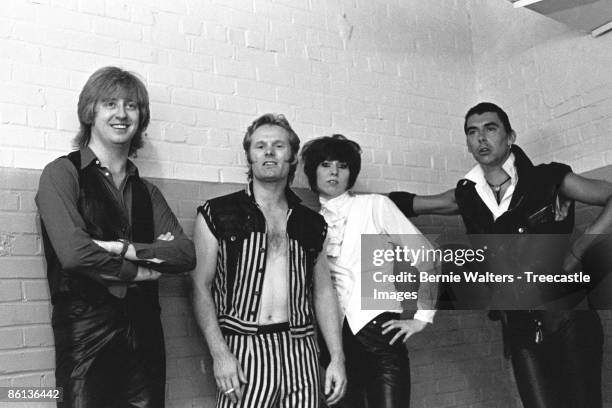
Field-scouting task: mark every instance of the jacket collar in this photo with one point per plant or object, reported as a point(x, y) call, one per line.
point(524, 167)
point(477, 176)
point(292, 198)
point(88, 158)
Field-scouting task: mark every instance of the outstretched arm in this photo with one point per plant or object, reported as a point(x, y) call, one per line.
point(227, 370)
point(326, 309)
point(412, 205)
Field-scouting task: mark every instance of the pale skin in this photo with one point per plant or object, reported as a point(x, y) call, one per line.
point(332, 181)
point(487, 130)
point(270, 157)
point(115, 123)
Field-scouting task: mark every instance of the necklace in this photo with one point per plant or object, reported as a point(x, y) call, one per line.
point(497, 188)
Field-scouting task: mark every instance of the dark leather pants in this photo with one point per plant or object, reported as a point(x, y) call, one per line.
point(565, 370)
point(109, 354)
point(378, 374)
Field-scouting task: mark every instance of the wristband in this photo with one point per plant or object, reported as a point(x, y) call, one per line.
point(126, 245)
point(404, 201)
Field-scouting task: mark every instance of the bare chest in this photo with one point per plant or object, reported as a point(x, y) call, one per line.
point(276, 228)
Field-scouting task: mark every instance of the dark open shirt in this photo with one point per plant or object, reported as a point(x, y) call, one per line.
point(241, 231)
point(57, 198)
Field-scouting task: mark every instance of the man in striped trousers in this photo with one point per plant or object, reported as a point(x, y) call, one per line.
point(258, 279)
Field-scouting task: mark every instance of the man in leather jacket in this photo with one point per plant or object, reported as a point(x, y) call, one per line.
point(108, 236)
point(556, 355)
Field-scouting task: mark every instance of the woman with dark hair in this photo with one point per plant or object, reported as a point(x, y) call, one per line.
point(378, 368)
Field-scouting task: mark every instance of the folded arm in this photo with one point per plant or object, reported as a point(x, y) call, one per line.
point(62, 223)
point(171, 252)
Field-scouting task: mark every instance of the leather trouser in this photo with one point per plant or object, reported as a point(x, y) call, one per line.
point(378, 374)
point(109, 353)
point(564, 371)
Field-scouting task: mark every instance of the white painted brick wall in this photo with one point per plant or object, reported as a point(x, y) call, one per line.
point(554, 81)
point(400, 86)
point(213, 66)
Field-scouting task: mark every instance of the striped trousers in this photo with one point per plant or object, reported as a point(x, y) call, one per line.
point(281, 371)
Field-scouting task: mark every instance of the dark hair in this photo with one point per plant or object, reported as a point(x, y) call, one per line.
point(485, 107)
point(334, 147)
point(104, 83)
point(273, 119)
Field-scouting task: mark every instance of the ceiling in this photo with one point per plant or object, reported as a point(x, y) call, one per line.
point(591, 16)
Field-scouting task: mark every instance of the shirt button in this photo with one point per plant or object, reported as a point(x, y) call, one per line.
point(233, 238)
point(260, 271)
point(262, 249)
point(257, 293)
point(98, 162)
point(521, 230)
point(107, 174)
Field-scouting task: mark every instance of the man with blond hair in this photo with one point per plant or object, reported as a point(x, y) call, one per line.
point(259, 276)
point(108, 236)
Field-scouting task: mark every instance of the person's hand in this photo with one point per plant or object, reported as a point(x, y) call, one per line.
point(143, 274)
point(405, 328)
point(229, 376)
point(335, 381)
point(113, 247)
point(110, 278)
point(166, 237)
point(146, 274)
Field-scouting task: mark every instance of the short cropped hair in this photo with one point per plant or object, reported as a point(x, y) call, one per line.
point(334, 147)
point(273, 119)
point(485, 107)
point(105, 83)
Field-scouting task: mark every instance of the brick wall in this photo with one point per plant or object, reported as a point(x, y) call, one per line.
point(554, 81)
point(398, 85)
point(457, 363)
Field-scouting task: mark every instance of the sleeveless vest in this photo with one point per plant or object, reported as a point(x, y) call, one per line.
point(533, 210)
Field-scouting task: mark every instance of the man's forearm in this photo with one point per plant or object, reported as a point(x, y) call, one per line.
point(176, 256)
point(328, 318)
point(66, 231)
point(206, 316)
point(602, 225)
point(162, 256)
point(412, 205)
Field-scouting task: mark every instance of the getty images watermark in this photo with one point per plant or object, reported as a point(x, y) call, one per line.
point(486, 271)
